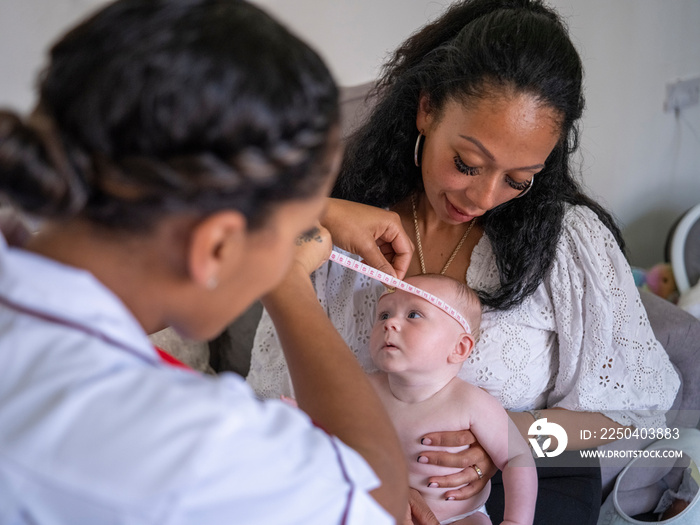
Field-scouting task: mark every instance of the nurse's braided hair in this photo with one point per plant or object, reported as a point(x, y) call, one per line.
point(477, 49)
point(158, 106)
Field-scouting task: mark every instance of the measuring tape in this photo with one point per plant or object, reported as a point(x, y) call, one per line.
point(387, 279)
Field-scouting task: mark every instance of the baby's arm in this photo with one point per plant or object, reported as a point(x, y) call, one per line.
point(519, 480)
point(499, 436)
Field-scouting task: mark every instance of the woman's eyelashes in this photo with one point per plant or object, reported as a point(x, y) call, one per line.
point(469, 170)
point(520, 186)
point(461, 166)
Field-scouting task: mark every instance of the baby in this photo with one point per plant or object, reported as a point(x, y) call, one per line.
point(419, 349)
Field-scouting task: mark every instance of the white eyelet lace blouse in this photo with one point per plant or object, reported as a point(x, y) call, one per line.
point(582, 341)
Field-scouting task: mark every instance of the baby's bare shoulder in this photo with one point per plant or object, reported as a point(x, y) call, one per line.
point(460, 385)
point(471, 394)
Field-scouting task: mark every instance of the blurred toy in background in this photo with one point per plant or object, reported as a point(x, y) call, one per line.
point(658, 280)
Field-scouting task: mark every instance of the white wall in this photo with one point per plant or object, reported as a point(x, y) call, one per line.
point(27, 28)
point(644, 164)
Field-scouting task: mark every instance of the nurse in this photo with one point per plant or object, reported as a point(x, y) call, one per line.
point(177, 153)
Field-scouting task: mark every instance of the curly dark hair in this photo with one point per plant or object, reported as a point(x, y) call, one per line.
point(475, 49)
point(151, 107)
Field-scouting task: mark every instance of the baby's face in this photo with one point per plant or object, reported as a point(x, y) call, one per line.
point(410, 333)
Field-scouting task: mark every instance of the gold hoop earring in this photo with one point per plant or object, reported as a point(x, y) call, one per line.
point(532, 181)
point(417, 149)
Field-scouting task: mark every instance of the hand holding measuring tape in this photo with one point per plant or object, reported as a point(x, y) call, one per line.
point(375, 234)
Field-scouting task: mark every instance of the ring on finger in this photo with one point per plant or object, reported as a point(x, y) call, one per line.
point(478, 471)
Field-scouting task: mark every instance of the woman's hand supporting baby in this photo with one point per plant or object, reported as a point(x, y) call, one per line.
point(420, 513)
point(465, 459)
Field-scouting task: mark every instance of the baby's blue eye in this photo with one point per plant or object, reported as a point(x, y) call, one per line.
point(414, 315)
point(383, 316)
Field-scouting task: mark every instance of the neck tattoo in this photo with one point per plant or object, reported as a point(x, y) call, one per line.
point(420, 247)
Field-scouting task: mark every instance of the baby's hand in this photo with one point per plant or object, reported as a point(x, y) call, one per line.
point(313, 248)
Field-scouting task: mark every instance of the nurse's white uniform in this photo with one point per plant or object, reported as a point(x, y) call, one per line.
point(95, 429)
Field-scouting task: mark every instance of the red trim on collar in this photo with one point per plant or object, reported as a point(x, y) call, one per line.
point(169, 359)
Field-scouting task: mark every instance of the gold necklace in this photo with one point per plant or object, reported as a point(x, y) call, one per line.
point(420, 246)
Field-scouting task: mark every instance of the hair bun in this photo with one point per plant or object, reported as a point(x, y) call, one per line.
point(34, 171)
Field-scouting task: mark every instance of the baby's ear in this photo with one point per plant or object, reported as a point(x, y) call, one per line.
point(463, 348)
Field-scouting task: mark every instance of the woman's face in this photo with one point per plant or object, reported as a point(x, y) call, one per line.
point(479, 156)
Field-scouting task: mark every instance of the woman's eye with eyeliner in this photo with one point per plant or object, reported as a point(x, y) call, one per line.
point(461, 166)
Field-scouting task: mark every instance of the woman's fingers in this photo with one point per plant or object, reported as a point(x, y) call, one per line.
point(420, 513)
point(457, 438)
point(394, 244)
point(474, 455)
point(389, 256)
point(466, 491)
point(469, 477)
point(472, 461)
point(374, 234)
